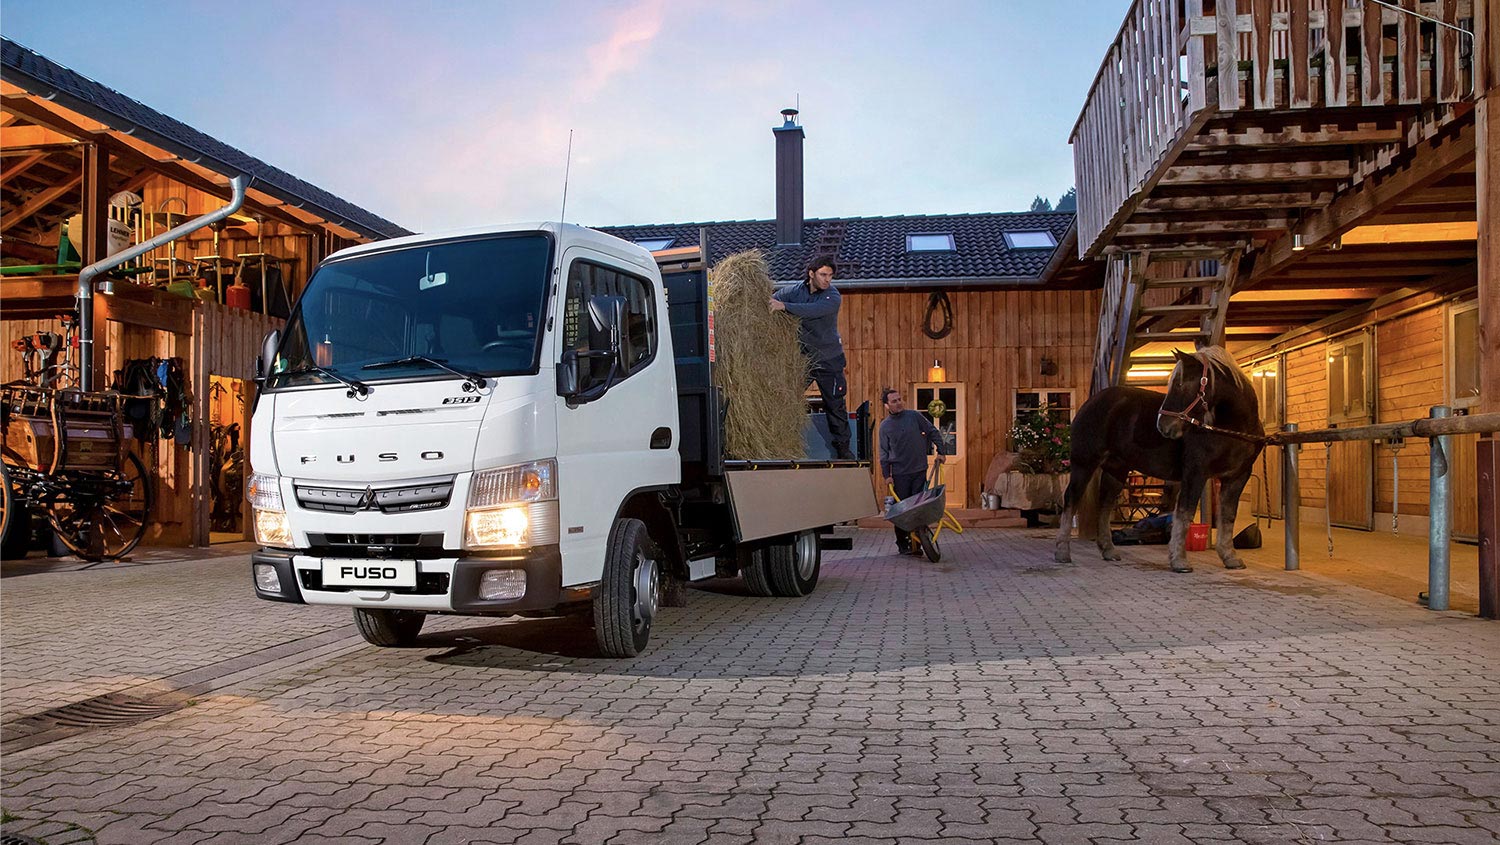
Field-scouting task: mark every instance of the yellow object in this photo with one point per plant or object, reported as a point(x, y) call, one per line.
point(948, 519)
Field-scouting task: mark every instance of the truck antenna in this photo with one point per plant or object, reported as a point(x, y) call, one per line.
point(567, 168)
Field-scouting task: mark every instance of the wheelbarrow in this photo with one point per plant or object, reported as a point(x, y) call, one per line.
point(923, 512)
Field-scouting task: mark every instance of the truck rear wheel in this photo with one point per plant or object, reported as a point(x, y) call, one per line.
point(757, 572)
point(389, 628)
point(629, 592)
point(794, 566)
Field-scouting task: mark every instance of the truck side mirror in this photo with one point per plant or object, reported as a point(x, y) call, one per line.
point(268, 347)
point(607, 314)
point(567, 374)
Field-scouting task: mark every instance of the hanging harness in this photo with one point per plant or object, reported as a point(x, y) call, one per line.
point(1205, 385)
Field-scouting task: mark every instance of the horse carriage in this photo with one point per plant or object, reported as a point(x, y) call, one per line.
point(63, 453)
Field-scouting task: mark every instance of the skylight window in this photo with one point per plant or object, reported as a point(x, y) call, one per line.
point(1040, 239)
point(655, 244)
point(930, 243)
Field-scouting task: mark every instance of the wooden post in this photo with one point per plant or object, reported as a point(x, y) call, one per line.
point(1487, 163)
point(95, 239)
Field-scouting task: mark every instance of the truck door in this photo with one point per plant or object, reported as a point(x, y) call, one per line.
point(625, 438)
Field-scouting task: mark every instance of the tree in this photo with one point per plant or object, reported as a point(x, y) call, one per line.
point(1068, 201)
point(1040, 204)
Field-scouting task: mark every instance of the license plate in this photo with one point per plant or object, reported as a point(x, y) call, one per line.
point(370, 573)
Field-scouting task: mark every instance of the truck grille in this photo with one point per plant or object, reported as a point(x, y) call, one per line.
point(429, 495)
point(377, 545)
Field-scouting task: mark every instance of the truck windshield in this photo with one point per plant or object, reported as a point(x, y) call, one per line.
point(478, 305)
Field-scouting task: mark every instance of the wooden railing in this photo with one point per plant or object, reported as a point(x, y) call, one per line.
point(1160, 79)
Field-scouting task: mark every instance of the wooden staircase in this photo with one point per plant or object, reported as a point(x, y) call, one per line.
point(1157, 300)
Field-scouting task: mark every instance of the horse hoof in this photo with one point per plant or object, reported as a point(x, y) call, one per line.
point(1182, 567)
point(1062, 557)
point(1234, 563)
point(1111, 555)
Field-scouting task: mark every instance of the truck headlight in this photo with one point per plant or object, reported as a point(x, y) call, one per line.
point(271, 529)
point(512, 507)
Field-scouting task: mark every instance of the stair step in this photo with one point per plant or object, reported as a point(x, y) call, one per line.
point(1152, 360)
point(1157, 310)
point(1186, 282)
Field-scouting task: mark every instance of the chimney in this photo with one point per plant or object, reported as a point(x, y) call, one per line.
point(788, 179)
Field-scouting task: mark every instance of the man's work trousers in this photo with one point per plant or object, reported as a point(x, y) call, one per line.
point(833, 387)
point(907, 485)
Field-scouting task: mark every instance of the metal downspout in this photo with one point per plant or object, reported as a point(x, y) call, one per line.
point(86, 275)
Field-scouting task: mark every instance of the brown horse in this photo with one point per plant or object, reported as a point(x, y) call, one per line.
point(1206, 426)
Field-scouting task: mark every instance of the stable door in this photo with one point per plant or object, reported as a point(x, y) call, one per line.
point(944, 404)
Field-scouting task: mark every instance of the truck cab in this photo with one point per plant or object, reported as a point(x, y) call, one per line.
point(480, 423)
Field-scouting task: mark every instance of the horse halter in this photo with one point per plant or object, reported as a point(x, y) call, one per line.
point(1205, 384)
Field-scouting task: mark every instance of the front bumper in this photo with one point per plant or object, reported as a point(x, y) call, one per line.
point(444, 585)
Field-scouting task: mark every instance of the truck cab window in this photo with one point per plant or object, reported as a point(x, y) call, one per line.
point(587, 279)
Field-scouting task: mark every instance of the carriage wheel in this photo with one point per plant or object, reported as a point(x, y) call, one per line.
point(98, 527)
point(15, 520)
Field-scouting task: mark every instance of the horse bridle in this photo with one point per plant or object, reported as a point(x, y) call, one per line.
point(1205, 382)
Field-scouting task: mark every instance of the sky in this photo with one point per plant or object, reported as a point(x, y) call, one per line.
point(440, 115)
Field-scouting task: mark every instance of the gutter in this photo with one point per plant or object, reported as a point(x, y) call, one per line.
point(86, 276)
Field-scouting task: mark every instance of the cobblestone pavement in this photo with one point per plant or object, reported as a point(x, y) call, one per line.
point(993, 697)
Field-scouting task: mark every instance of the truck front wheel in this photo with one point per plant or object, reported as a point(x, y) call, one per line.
point(794, 566)
point(629, 591)
point(383, 627)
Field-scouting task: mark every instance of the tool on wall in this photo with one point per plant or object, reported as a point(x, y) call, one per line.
point(938, 300)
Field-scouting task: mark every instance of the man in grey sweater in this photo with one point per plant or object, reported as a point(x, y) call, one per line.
point(816, 303)
point(904, 440)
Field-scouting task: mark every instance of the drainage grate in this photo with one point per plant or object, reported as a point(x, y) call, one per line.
point(17, 839)
point(105, 711)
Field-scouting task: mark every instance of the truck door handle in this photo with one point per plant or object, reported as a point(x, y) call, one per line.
point(661, 438)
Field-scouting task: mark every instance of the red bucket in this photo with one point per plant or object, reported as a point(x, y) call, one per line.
point(1197, 537)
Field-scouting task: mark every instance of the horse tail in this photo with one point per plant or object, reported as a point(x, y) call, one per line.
point(1086, 507)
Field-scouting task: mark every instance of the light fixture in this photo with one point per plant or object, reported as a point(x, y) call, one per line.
point(1337, 244)
point(1297, 245)
point(107, 286)
point(936, 371)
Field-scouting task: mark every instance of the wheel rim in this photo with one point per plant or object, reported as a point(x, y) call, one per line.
point(806, 550)
point(647, 591)
point(96, 522)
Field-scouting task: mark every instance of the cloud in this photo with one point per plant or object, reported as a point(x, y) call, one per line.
point(628, 41)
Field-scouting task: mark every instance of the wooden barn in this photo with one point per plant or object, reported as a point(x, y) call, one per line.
point(89, 172)
point(1312, 183)
point(989, 313)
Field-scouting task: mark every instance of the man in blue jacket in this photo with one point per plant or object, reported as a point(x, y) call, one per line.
point(816, 304)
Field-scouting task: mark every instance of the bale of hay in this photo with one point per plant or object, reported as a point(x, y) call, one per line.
point(760, 367)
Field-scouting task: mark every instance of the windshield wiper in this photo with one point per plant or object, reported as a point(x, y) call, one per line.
point(356, 388)
point(472, 381)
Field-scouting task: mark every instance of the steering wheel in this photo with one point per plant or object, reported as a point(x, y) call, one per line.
point(522, 346)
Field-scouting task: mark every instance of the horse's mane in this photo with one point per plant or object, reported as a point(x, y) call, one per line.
point(1219, 358)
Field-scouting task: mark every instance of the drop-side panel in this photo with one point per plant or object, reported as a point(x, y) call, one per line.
point(772, 502)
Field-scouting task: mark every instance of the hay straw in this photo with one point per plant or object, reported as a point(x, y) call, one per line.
point(760, 367)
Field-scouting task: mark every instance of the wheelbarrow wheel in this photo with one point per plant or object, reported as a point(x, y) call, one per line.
point(929, 544)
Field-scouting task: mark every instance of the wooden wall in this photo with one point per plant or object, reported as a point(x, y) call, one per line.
point(1410, 378)
point(996, 347)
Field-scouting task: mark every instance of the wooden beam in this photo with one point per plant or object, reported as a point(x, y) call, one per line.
point(1256, 200)
point(20, 166)
point(1310, 295)
point(40, 201)
point(1435, 158)
point(1200, 227)
point(1257, 138)
point(1288, 171)
point(1411, 233)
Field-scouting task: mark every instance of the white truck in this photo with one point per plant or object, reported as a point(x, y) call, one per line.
point(517, 420)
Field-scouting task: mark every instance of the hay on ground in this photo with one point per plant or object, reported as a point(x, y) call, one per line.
point(760, 367)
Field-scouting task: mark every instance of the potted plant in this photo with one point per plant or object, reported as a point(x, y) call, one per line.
point(1039, 476)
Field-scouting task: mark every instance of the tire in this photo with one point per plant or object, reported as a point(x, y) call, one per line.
point(794, 565)
point(15, 521)
point(389, 628)
point(629, 591)
point(929, 544)
point(757, 572)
